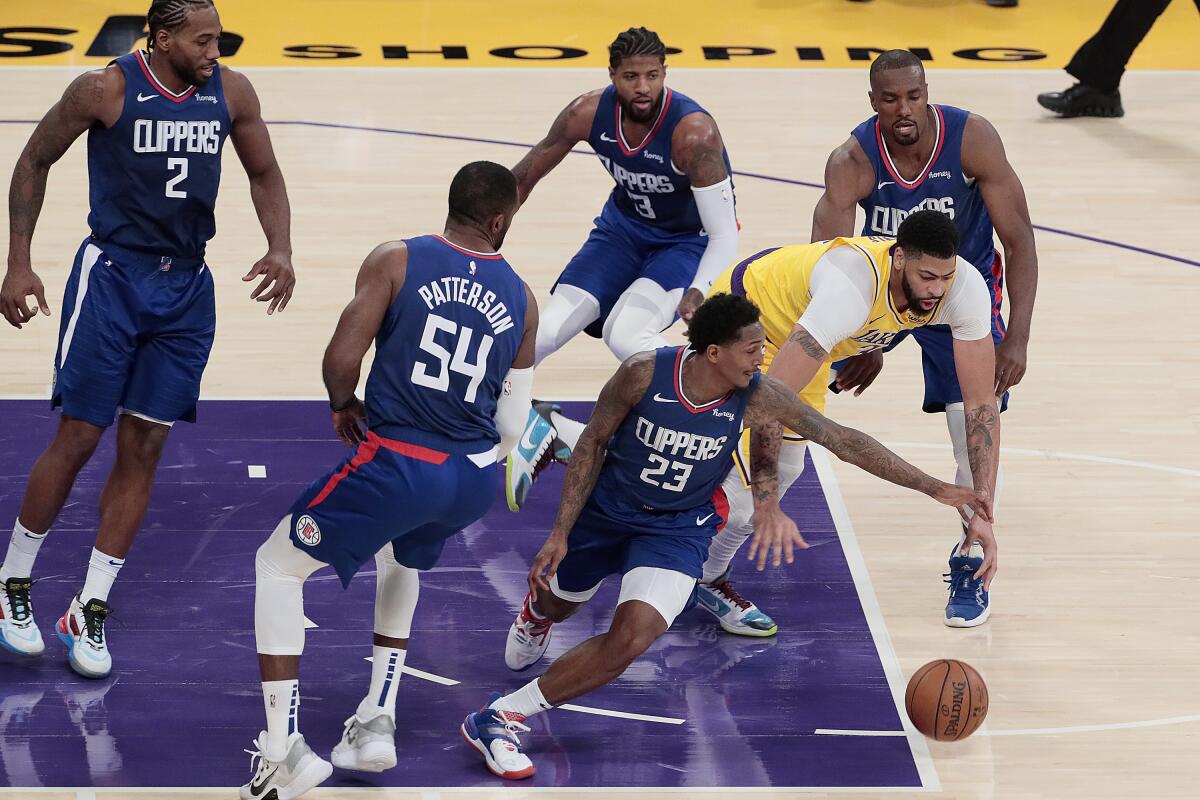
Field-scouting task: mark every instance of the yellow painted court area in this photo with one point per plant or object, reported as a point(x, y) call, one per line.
point(1039, 34)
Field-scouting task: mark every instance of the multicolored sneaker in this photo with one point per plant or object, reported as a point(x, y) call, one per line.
point(968, 605)
point(494, 734)
point(527, 640)
point(560, 449)
point(736, 614)
point(81, 629)
point(18, 632)
point(533, 453)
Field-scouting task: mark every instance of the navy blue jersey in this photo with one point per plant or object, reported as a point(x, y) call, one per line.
point(154, 174)
point(649, 187)
point(669, 454)
point(941, 186)
point(445, 346)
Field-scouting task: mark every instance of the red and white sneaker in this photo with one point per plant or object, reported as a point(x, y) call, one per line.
point(81, 629)
point(528, 639)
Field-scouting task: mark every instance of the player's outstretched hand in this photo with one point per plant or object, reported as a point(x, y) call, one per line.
point(1011, 356)
point(345, 423)
point(691, 300)
point(979, 530)
point(775, 533)
point(859, 372)
point(960, 496)
point(545, 564)
point(278, 281)
point(18, 286)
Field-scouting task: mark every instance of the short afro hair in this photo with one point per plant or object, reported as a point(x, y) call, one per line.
point(719, 320)
point(895, 59)
point(481, 190)
point(928, 232)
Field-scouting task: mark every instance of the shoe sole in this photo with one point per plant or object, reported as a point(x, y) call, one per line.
point(960, 622)
point(514, 503)
point(23, 653)
point(370, 758)
point(487, 758)
point(310, 777)
point(748, 632)
point(75, 665)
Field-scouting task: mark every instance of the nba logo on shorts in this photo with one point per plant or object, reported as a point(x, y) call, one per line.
point(307, 530)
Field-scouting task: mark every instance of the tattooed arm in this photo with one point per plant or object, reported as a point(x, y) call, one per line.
point(975, 363)
point(571, 126)
point(94, 97)
point(622, 392)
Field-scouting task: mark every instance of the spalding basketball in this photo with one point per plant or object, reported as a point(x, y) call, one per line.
point(946, 700)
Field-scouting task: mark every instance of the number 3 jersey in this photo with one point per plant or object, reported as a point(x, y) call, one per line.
point(445, 347)
point(154, 174)
point(670, 454)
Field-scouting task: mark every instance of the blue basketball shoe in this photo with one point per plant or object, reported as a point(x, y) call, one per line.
point(538, 448)
point(494, 734)
point(734, 613)
point(968, 604)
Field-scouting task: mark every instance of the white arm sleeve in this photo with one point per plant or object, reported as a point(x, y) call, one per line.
point(512, 407)
point(717, 215)
point(842, 288)
point(967, 308)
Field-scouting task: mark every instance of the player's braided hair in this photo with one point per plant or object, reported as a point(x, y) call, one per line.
point(719, 320)
point(170, 14)
point(895, 59)
point(635, 42)
point(928, 232)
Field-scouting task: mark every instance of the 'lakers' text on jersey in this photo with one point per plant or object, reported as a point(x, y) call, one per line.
point(155, 173)
point(670, 454)
point(940, 186)
point(444, 348)
point(649, 187)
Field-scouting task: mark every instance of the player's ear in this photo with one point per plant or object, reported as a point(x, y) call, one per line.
point(898, 258)
point(612, 74)
point(871, 100)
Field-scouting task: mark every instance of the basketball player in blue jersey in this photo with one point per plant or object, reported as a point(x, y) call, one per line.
point(138, 313)
point(666, 231)
point(642, 499)
point(914, 155)
point(454, 328)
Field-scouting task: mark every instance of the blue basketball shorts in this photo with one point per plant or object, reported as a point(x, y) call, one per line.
point(134, 336)
point(620, 250)
point(394, 492)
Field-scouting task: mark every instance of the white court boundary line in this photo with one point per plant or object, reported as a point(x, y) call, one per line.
point(874, 615)
point(1060, 455)
point(1108, 726)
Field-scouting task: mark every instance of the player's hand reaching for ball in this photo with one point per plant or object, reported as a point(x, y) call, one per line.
point(345, 422)
point(18, 286)
point(979, 531)
point(545, 564)
point(278, 280)
point(775, 533)
point(691, 300)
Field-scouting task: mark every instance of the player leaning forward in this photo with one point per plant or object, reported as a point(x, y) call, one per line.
point(642, 499)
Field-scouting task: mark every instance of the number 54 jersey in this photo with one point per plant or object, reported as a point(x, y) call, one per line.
point(669, 454)
point(445, 347)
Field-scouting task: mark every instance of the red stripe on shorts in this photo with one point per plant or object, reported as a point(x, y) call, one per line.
point(366, 454)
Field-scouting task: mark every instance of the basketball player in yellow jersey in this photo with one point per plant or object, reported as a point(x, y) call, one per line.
point(823, 302)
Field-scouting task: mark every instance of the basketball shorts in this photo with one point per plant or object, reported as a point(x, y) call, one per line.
point(937, 351)
point(620, 250)
point(393, 492)
point(135, 336)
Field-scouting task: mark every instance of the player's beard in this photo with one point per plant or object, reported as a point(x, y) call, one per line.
point(631, 113)
point(914, 302)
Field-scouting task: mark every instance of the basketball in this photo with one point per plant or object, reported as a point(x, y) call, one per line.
point(946, 699)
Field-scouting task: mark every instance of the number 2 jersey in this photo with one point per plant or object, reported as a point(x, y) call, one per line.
point(154, 174)
point(669, 454)
point(445, 347)
point(649, 188)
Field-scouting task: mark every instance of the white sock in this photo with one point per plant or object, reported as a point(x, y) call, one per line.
point(102, 571)
point(385, 679)
point(721, 550)
point(569, 430)
point(282, 702)
point(22, 550)
point(526, 701)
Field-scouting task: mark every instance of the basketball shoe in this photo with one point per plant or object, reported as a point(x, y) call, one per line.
point(527, 640)
point(535, 451)
point(366, 746)
point(494, 734)
point(734, 613)
point(300, 770)
point(968, 605)
point(18, 632)
point(81, 629)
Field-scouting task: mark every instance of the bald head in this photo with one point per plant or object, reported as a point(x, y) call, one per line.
point(892, 60)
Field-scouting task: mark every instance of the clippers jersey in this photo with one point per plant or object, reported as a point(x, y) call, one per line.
point(941, 186)
point(154, 174)
point(649, 188)
point(445, 346)
point(668, 454)
point(777, 281)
